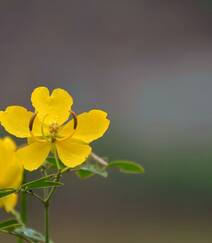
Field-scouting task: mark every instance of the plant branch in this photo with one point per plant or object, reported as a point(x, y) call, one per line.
point(48, 198)
point(30, 192)
point(99, 159)
point(17, 217)
point(24, 202)
point(23, 216)
point(46, 221)
point(57, 179)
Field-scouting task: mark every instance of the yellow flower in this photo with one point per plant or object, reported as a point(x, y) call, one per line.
point(11, 172)
point(48, 128)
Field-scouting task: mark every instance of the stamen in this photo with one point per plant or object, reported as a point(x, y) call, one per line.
point(31, 123)
point(75, 127)
point(75, 119)
point(53, 128)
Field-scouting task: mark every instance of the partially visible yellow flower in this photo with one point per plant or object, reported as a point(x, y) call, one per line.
point(11, 172)
point(48, 130)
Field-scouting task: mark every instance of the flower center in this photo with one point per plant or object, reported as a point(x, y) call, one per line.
point(53, 128)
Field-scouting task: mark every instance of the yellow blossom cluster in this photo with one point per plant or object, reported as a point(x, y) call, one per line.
point(48, 129)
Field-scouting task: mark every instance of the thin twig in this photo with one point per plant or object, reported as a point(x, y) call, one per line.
point(17, 217)
point(30, 192)
point(48, 198)
point(53, 188)
point(99, 159)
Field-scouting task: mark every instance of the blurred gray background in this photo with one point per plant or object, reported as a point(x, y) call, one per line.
point(148, 63)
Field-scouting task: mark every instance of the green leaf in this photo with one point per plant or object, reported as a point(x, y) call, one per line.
point(43, 182)
point(29, 234)
point(9, 224)
point(126, 166)
point(84, 174)
point(88, 170)
point(6, 192)
point(51, 160)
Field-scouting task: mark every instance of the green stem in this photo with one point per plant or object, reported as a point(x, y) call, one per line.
point(46, 205)
point(44, 173)
point(57, 179)
point(30, 192)
point(48, 198)
point(56, 157)
point(17, 216)
point(24, 202)
point(23, 206)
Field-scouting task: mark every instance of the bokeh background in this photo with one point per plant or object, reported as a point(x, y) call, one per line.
point(149, 64)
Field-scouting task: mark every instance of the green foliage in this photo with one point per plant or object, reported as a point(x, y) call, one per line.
point(52, 162)
point(47, 133)
point(6, 192)
point(9, 224)
point(12, 227)
point(43, 182)
point(84, 174)
point(126, 166)
point(29, 234)
point(88, 170)
point(96, 166)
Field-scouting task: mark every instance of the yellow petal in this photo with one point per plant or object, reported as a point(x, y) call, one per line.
point(15, 120)
point(91, 126)
point(72, 152)
point(33, 155)
point(54, 108)
point(8, 144)
point(11, 176)
point(11, 172)
point(11, 169)
point(9, 202)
